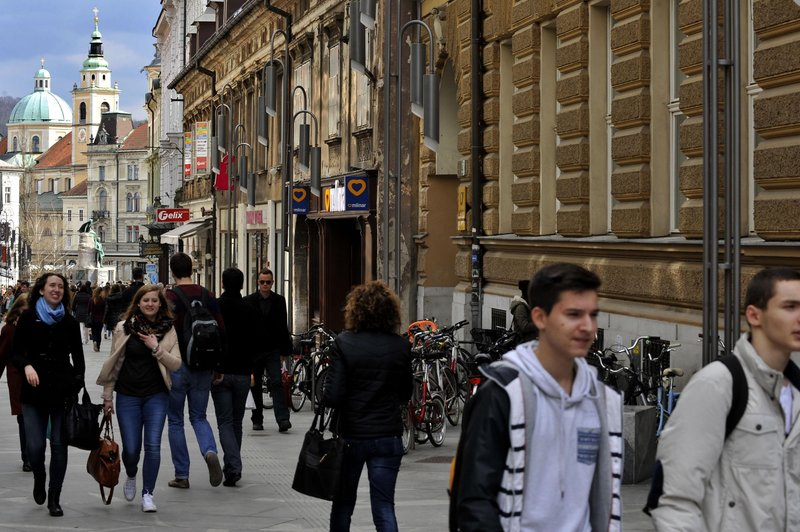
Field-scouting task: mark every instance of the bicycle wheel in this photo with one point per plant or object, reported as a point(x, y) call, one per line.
point(416, 412)
point(408, 426)
point(300, 383)
point(435, 424)
point(452, 397)
point(462, 379)
point(319, 383)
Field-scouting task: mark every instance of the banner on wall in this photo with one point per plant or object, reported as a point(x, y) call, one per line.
point(300, 200)
point(356, 193)
point(187, 154)
point(201, 146)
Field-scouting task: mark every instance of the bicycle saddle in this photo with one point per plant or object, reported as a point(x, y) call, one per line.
point(672, 372)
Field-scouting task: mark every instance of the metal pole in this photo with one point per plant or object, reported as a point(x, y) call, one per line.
point(710, 182)
point(387, 57)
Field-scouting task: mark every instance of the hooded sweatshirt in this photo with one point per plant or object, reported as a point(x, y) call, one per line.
point(566, 441)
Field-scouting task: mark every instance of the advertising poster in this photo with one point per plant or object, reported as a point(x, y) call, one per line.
point(356, 193)
point(300, 200)
point(201, 146)
point(187, 154)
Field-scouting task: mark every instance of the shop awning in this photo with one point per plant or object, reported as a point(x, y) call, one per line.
point(184, 231)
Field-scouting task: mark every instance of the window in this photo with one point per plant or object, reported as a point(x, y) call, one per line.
point(7, 195)
point(334, 92)
point(101, 233)
point(54, 186)
point(104, 107)
point(363, 89)
point(102, 200)
point(133, 172)
point(82, 112)
point(69, 215)
point(129, 202)
point(69, 240)
point(80, 215)
point(39, 186)
point(35, 144)
point(136, 199)
point(101, 173)
point(132, 233)
point(302, 77)
point(14, 144)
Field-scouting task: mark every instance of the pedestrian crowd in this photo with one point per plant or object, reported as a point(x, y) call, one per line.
point(542, 438)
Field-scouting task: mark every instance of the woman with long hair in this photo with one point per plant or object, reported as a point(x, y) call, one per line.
point(144, 350)
point(13, 377)
point(97, 309)
point(369, 379)
point(47, 349)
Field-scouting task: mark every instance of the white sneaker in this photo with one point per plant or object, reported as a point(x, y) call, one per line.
point(147, 503)
point(129, 490)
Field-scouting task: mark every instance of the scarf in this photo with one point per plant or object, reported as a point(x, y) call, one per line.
point(138, 323)
point(48, 314)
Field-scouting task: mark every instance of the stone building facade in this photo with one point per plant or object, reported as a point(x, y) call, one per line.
point(591, 117)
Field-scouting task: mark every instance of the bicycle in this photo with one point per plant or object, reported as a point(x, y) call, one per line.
point(667, 396)
point(426, 411)
point(314, 357)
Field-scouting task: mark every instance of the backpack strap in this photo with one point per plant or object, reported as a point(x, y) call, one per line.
point(740, 392)
point(184, 300)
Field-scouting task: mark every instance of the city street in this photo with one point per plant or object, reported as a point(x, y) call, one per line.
point(263, 499)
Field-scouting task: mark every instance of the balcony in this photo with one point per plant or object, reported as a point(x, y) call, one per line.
point(195, 189)
point(99, 215)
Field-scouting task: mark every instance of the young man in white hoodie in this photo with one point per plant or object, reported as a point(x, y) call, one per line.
point(541, 447)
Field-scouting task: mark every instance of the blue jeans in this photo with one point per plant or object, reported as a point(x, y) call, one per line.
point(36, 418)
point(229, 397)
point(136, 415)
point(193, 386)
point(382, 456)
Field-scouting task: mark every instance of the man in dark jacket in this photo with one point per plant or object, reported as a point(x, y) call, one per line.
point(274, 341)
point(230, 394)
point(136, 284)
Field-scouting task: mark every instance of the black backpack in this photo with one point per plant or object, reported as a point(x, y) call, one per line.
point(200, 332)
point(738, 406)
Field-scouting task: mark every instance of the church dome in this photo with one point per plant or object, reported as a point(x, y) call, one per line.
point(41, 105)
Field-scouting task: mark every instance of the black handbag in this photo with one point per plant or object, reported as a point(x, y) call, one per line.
point(81, 426)
point(319, 467)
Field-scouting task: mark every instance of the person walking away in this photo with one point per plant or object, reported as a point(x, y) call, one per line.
point(137, 275)
point(368, 381)
point(748, 480)
point(80, 309)
point(97, 311)
point(13, 377)
point(230, 394)
point(275, 341)
point(189, 385)
point(520, 310)
point(115, 308)
point(144, 350)
point(47, 349)
point(541, 446)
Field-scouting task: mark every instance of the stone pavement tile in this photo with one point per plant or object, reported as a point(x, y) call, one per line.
point(262, 500)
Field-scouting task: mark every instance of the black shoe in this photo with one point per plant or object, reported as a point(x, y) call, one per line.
point(52, 503)
point(258, 426)
point(284, 426)
point(39, 493)
point(26, 467)
point(232, 479)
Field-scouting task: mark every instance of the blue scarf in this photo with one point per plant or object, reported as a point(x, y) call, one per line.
point(48, 314)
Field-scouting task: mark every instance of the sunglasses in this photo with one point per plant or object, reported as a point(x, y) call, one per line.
point(266, 282)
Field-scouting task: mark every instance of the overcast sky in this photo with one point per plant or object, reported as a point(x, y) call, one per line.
point(60, 31)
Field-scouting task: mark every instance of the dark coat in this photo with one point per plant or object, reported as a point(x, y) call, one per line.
point(12, 376)
point(241, 331)
point(273, 328)
point(368, 381)
point(128, 293)
point(48, 348)
point(115, 308)
point(80, 306)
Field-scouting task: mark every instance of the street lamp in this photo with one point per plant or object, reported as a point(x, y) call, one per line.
point(313, 153)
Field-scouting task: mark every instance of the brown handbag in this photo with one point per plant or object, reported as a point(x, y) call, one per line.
point(104, 462)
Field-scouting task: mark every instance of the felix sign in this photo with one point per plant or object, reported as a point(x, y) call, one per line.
point(172, 215)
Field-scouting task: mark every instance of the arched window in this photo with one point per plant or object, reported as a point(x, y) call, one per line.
point(104, 107)
point(101, 233)
point(129, 202)
point(35, 144)
point(136, 202)
point(14, 145)
point(102, 200)
point(83, 112)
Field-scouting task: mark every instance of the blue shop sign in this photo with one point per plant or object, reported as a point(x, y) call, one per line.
point(356, 193)
point(300, 199)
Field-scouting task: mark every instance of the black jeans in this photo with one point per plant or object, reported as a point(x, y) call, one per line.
point(271, 363)
point(36, 418)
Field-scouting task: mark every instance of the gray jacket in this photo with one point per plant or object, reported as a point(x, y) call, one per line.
point(751, 481)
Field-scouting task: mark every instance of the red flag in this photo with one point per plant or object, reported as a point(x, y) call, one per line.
point(223, 182)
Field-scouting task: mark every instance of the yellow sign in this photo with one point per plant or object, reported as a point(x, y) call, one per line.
point(356, 186)
point(327, 194)
point(462, 208)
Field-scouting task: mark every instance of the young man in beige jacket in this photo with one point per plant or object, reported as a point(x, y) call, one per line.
point(751, 479)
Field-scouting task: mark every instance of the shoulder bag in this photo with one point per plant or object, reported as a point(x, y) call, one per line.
point(81, 427)
point(104, 462)
point(319, 466)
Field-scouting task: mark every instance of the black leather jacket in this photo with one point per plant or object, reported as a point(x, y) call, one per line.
point(368, 381)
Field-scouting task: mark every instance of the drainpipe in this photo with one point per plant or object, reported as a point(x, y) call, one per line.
point(213, 75)
point(476, 162)
point(183, 64)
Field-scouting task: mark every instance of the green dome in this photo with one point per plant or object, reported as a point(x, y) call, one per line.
point(93, 63)
point(41, 105)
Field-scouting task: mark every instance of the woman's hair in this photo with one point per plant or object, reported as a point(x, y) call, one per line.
point(372, 307)
point(38, 286)
point(98, 295)
point(164, 311)
point(19, 306)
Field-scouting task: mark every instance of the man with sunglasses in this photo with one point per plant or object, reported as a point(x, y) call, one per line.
point(275, 341)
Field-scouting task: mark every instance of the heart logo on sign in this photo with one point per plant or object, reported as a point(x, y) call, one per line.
point(299, 194)
point(356, 186)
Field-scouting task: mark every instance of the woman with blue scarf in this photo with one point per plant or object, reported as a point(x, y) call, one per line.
point(48, 351)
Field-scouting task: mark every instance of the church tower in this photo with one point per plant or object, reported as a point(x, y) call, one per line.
point(95, 96)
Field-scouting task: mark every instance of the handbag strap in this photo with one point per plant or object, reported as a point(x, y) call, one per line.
point(103, 494)
point(107, 426)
